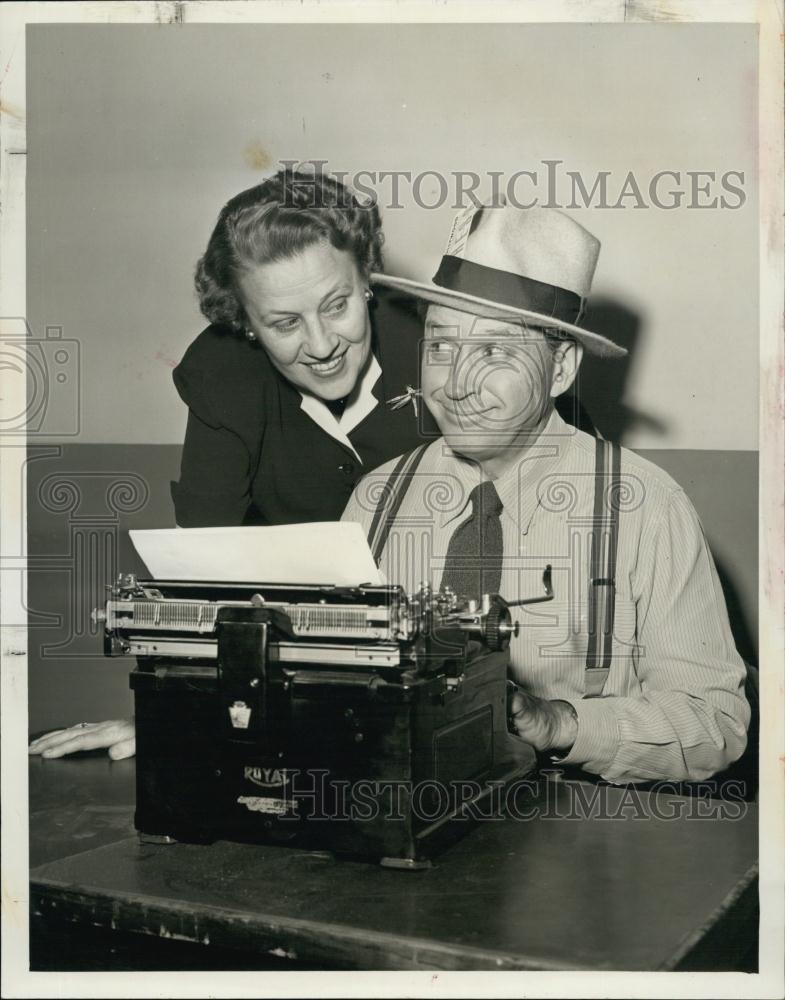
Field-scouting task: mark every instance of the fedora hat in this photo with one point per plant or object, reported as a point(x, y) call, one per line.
point(534, 264)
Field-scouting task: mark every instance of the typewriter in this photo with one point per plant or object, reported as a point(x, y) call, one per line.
point(356, 720)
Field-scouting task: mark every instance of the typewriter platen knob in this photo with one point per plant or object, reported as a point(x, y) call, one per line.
point(499, 627)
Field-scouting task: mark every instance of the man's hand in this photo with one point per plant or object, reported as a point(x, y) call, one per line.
point(546, 725)
point(117, 735)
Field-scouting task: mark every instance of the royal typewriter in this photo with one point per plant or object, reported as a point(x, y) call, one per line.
point(355, 720)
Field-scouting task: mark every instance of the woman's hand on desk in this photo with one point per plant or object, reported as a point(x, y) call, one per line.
point(118, 736)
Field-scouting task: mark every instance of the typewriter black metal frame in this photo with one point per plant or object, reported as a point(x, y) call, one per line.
point(352, 720)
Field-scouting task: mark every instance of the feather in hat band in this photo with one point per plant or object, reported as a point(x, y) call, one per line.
point(469, 278)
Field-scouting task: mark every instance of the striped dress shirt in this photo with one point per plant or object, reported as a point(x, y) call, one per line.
point(673, 705)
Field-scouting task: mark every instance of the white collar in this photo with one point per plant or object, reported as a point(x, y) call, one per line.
point(360, 403)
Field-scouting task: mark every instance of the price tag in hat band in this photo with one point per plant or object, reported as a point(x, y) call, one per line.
point(461, 227)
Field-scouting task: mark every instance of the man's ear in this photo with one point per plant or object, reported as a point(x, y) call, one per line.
point(566, 362)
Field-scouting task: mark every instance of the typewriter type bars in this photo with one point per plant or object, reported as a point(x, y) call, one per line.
point(354, 626)
point(366, 626)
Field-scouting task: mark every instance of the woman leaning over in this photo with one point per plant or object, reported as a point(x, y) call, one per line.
point(302, 383)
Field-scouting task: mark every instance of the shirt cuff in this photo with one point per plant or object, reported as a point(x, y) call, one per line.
point(598, 734)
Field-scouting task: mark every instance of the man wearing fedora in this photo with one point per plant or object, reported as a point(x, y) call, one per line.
point(630, 671)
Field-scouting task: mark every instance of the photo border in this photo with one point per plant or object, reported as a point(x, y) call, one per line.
point(16, 980)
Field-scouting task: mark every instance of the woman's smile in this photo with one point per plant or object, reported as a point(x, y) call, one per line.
point(324, 369)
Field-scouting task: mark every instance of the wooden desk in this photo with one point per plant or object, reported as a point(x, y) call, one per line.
point(635, 892)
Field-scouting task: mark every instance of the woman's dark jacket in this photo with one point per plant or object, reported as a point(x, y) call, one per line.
point(252, 455)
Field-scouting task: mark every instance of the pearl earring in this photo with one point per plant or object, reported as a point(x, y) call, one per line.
point(368, 294)
point(250, 335)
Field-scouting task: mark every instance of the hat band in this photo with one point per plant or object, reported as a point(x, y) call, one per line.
point(506, 288)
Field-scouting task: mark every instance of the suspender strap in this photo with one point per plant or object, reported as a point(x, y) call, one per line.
point(602, 584)
point(390, 502)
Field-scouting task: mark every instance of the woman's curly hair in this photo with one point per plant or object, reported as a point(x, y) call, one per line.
point(277, 219)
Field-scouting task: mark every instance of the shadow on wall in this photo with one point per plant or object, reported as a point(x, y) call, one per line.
point(746, 642)
point(597, 404)
point(602, 384)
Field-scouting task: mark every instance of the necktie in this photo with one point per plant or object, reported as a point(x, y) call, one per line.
point(474, 556)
